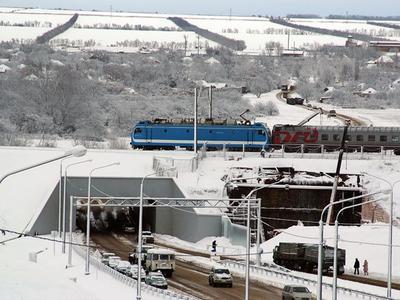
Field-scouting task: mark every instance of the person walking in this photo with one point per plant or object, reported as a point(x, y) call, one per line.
point(365, 267)
point(357, 267)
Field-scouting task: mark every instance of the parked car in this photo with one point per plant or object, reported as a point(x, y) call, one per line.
point(157, 280)
point(113, 261)
point(129, 229)
point(133, 272)
point(220, 275)
point(147, 237)
point(123, 266)
point(106, 256)
point(294, 292)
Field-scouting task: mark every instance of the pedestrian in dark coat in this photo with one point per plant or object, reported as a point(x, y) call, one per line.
point(357, 267)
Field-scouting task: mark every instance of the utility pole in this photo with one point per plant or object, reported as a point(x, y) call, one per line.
point(288, 39)
point(198, 45)
point(210, 102)
point(195, 123)
point(230, 14)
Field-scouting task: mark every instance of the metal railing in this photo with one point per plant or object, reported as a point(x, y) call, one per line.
point(304, 151)
point(148, 289)
point(282, 276)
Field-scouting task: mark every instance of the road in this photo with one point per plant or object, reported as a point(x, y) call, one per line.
point(190, 279)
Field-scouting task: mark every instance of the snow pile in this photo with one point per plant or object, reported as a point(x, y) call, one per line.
point(49, 278)
point(364, 242)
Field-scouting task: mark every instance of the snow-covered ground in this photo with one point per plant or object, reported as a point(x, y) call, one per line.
point(49, 278)
point(256, 32)
point(31, 189)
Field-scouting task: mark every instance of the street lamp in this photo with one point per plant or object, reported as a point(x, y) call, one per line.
point(88, 215)
point(76, 151)
point(247, 275)
point(321, 236)
point(334, 285)
point(390, 243)
point(140, 243)
point(64, 196)
point(60, 197)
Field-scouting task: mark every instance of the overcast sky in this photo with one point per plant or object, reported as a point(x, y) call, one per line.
point(222, 7)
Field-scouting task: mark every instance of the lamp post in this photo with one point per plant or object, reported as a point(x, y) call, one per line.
point(334, 284)
point(77, 151)
point(88, 216)
point(321, 236)
point(64, 196)
point(390, 238)
point(60, 198)
point(247, 275)
point(140, 242)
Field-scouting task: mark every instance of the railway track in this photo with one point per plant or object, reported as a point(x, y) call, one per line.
point(341, 117)
point(187, 278)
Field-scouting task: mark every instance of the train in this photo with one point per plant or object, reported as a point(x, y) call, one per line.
point(358, 138)
point(304, 257)
point(168, 134)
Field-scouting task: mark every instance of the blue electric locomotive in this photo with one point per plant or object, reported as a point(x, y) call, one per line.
point(168, 134)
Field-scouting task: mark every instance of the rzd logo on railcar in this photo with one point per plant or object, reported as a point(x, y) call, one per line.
point(307, 136)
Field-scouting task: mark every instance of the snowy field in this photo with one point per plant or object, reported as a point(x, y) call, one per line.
point(256, 32)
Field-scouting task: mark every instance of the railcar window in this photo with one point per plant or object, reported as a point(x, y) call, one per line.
point(155, 257)
point(395, 138)
point(336, 137)
point(325, 137)
point(371, 138)
point(138, 130)
point(261, 132)
point(360, 138)
point(383, 138)
point(187, 130)
point(348, 138)
point(165, 130)
point(210, 131)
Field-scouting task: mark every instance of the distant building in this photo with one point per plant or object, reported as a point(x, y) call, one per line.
point(293, 53)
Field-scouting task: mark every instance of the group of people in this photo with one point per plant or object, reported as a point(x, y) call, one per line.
point(357, 267)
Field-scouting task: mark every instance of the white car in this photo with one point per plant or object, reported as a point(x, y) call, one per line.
point(293, 291)
point(106, 256)
point(133, 272)
point(113, 261)
point(123, 266)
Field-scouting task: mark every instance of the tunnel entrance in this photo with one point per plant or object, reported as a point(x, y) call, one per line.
point(115, 219)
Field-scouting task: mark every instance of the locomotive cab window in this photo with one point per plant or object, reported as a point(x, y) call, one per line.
point(336, 137)
point(261, 132)
point(371, 138)
point(360, 138)
point(138, 130)
point(383, 138)
point(348, 138)
point(395, 138)
point(325, 137)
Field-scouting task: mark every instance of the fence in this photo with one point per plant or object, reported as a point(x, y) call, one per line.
point(283, 277)
point(147, 289)
point(303, 151)
point(174, 165)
